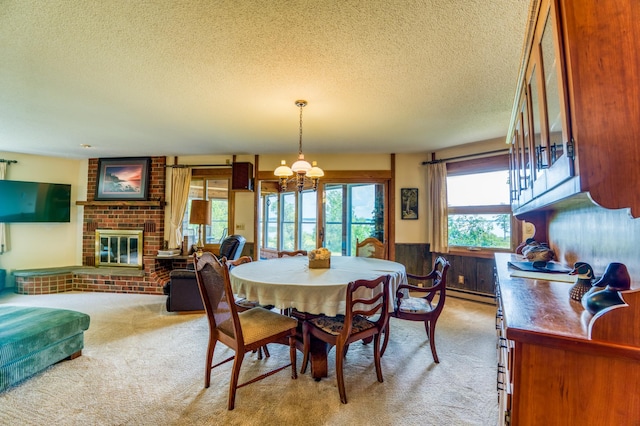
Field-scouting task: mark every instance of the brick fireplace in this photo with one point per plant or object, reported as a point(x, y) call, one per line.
point(147, 216)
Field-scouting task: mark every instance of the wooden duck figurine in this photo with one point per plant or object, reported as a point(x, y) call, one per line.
point(584, 282)
point(535, 251)
point(616, 279)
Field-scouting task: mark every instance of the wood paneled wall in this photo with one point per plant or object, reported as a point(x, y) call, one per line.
point(416, 258)
point(597, 236)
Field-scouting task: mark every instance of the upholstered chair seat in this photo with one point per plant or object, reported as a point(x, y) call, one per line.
point(334, 325)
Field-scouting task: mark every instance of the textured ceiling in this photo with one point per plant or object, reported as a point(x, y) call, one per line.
point(162, 77)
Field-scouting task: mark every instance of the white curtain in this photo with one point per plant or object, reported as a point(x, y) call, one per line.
point(3, 236)
point(180, 183)
point(437, 211)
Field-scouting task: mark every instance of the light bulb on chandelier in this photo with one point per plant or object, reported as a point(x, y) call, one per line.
point(301, 168)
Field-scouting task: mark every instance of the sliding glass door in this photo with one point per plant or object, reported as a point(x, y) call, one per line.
point(352, 212)
point(335, 217)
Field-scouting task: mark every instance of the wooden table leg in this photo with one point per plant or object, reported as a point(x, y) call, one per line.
point(318, 355)
point(318, 351)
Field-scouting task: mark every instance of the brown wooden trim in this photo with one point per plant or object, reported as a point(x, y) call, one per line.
point(345, 176)
point(113, 203)
point(390, 230)
point(505, 209)
point(482, 253)
point(209, 173)
point(231, 195)
point(257, 241)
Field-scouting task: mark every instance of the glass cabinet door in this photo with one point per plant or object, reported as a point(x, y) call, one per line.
point(514, 173)
point(555, 117)
point(540, 147)
point(549, 102)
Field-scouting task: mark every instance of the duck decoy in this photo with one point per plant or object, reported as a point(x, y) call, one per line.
point(615, 279)
point(583, 283)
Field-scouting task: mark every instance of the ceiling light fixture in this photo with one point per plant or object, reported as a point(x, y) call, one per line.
point(302, 169)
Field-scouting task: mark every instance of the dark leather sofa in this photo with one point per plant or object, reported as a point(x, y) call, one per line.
point(182, 289)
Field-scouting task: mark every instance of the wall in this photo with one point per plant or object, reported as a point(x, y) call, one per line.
point(62, 244)
point(42, 245)
point(410, 173)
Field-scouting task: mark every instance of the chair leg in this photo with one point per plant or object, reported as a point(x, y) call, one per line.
point(386, 338)
point(306, 346)
point(376, 357)
point(292, 354)
point(260, 350)
point(431, 334)
point(340, 352)
point(207, 369)
point(235, 374)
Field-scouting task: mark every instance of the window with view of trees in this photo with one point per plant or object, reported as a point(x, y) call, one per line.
point(479, 208)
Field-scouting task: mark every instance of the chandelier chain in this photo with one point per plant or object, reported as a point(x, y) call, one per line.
point(300, 140)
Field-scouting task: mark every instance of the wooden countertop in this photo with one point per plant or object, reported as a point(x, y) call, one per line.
point(541, 312)
point(533, 307)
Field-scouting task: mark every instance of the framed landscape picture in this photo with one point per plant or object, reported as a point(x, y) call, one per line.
point(409, 198)
point(123, 178)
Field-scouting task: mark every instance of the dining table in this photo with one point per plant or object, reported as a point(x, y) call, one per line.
point(290, 285)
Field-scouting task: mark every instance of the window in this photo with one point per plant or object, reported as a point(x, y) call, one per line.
point(479, 204)
point(216, 190)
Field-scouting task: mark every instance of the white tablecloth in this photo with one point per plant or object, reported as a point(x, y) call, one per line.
point(288, 282)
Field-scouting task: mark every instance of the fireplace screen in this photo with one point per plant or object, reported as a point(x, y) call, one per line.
point(119, 248)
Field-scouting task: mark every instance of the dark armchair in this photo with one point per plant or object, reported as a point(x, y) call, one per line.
point(182, 289)
point(231, 247)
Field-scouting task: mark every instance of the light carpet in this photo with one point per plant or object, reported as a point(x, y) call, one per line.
point(144, 366)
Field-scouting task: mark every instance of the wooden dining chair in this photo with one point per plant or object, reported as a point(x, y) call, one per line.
point(244, 304)
point(285, 253)
point(240, 331)
point(365, 300)
point(422, 302)
point(371, 247)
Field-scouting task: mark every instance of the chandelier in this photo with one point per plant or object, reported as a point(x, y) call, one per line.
point(301, 168)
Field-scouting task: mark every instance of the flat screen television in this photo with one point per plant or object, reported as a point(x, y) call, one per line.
point(34, 202)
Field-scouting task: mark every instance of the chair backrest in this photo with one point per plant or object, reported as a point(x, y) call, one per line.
point(239, 261)
point(292, 253)
point(232, 246)
point(371, 247)
point(212, 276)
point(439, 276)
point(366, 298)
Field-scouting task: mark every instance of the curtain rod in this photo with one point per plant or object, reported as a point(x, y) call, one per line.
point(464, 156)
point(179, 166)
point(2, 160)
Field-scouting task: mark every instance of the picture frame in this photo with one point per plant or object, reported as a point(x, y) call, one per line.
point(409, 200)
point(123, 179)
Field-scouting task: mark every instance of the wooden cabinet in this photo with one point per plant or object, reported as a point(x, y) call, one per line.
point(575, 121)
point(551, 370)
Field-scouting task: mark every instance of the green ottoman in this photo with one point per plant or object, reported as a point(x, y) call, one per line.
point(31, 339)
